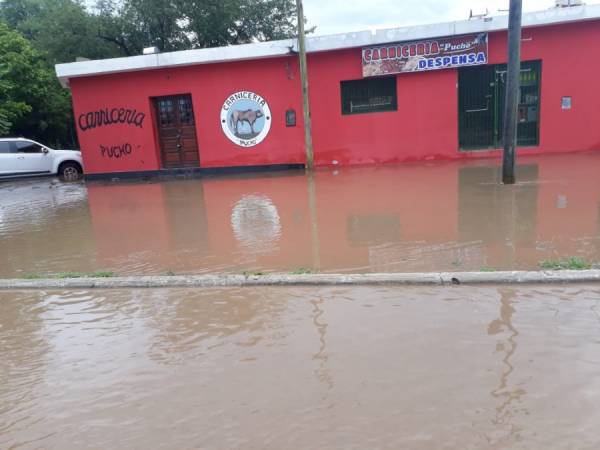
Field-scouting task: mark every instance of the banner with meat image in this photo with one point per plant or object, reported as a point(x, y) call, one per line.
point(421, 56)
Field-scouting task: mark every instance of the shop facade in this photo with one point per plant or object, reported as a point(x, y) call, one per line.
point(408, 94)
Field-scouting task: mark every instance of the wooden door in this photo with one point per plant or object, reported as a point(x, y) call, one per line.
point(177, 131)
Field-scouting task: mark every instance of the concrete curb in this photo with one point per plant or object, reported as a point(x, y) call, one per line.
point(321, 279)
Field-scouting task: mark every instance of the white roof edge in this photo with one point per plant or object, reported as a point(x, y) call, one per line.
point(318, 43)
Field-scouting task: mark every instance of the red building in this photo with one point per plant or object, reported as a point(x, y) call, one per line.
point(405, 94)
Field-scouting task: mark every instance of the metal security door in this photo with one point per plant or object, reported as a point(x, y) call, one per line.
point(476, 100)
point(529, 98)
point(481, 97)
point(177, 131)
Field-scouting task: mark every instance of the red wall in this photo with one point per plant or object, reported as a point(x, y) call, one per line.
point(209, 85)
point(425, 124)
point(424, 127)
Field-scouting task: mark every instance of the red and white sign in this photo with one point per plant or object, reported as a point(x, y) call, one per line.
point(420, 56)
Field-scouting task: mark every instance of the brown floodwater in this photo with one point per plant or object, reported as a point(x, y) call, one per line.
point(274, 368)
point(414, 217)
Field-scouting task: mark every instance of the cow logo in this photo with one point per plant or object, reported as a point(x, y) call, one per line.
point(246, 118)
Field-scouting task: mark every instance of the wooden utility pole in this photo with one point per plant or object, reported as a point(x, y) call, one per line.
point(304, 81)
point(511, 106)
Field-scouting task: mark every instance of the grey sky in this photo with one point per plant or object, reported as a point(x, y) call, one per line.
point(339, 16)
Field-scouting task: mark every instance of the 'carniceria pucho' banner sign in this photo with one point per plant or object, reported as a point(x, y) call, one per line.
point(431, 54)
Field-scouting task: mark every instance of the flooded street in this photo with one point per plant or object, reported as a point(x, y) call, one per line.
point(378, 368)
point(418, 217)
point(298, 368)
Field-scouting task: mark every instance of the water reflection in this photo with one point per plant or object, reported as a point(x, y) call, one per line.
point(43, 225)
point(510, 398)
point(319, 368)
point(256, 224)
point(422, 217)
point(192, 325)
point(322, 372)
point(500, 219)
point(23, 350)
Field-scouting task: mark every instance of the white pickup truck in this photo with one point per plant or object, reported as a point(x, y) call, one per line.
point(20, 157)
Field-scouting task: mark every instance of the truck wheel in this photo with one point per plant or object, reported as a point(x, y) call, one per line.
point(69, 171)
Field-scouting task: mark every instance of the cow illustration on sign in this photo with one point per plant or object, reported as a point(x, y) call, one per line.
point(239, 117)
point(245, 118)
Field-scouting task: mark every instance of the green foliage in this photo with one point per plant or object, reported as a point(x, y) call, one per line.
point(32, 103)
point(17, 57)
point(61, 29)
point(253, 274)
point(132, 25)
point(573, 263)
point(303, 271)
point(65, 29)
point(183, 24)
point(69, 275)
point(4, 124)
point(221, 22)
point(102, 274)
point(32, 276)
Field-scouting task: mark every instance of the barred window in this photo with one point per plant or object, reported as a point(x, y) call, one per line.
point(369, 95)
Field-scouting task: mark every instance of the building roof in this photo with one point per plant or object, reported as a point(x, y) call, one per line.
point(319, 43)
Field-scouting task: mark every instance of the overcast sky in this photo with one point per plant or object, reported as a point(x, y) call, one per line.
point(339, 16)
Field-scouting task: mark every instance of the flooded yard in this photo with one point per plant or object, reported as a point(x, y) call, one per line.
point(417, 217)
point(273, 368)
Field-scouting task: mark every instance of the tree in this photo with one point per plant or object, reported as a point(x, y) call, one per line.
point(66, 29)
point(16, 54)
point(222, 22)
point(185, 24)
point(32, 103)
point(14, 12)
point(61, 29)
point(133, 25)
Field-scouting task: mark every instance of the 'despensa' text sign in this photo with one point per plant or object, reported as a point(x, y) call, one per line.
point(430, 54)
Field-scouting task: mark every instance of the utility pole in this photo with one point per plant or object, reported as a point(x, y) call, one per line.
point(511, 105)
point(304, 81)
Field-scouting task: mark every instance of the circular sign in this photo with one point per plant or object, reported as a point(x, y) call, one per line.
point(246, 118)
